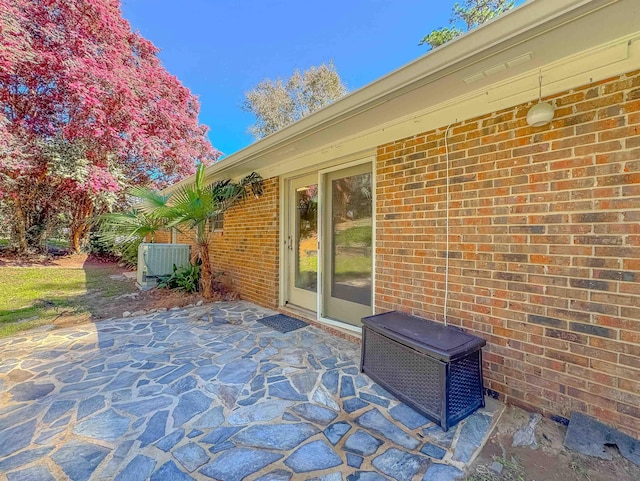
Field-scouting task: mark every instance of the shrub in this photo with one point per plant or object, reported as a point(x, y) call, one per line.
point(107, 247)
point(128, 254)
point(99, 246)
point(184, 278)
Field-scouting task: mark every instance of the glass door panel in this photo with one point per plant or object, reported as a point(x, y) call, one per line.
point(302, 242)
point(351, 231)
point(306, 238)
point(348, 238)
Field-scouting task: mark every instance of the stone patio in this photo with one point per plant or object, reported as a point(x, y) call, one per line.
point(208, 393)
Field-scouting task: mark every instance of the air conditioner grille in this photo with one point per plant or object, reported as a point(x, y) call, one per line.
point(158, 260)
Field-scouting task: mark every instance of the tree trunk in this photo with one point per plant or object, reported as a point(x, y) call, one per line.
point(37, 233)
point(206, 281)
point(20, 228)
point(79, 227)
point(76, 234)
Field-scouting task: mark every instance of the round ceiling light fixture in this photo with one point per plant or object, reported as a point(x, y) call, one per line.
point(542, 112)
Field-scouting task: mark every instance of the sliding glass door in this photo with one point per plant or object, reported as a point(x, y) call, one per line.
point(329, 247)
point(347, 238)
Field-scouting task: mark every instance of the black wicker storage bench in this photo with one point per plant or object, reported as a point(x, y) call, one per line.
point(436, 370)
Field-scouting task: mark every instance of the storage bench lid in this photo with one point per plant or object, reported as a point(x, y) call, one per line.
point(429, 337)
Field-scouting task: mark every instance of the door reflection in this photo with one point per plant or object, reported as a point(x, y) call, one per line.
point(352, 224)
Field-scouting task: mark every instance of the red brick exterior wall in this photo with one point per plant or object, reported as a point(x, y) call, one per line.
point(544, 246)
point(163, 237)
point(247, 248)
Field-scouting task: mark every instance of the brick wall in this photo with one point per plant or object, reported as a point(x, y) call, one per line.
point(544, 246)
point(247, 248)
point(164, 237)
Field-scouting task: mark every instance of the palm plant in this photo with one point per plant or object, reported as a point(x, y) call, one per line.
point(125, 230)
point(191, 206)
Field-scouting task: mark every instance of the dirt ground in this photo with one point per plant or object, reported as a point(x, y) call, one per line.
point(551, 461)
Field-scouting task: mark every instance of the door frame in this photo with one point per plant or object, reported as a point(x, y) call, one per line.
point(284, 212)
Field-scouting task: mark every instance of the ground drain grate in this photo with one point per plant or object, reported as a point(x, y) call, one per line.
point(282, 323)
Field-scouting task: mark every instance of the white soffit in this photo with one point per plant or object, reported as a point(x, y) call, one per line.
point(499, 67)
point(555, 74)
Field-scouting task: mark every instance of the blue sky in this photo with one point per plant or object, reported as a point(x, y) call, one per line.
point(221, 48)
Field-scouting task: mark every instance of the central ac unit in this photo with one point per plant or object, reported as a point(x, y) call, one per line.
point(158, 260)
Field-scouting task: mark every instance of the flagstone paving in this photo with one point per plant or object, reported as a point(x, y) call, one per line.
point(208, 393)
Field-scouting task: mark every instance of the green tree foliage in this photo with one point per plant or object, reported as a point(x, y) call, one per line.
point(465, 17)
point(278, 103)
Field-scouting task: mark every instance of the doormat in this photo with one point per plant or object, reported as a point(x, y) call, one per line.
point(282, 323)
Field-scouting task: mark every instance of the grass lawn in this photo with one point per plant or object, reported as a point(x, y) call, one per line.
point(58, 243)
point(45, 293)
point(346, 266)
point(357, 235)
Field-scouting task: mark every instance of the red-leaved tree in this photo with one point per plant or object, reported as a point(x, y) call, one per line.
point(87, 110)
